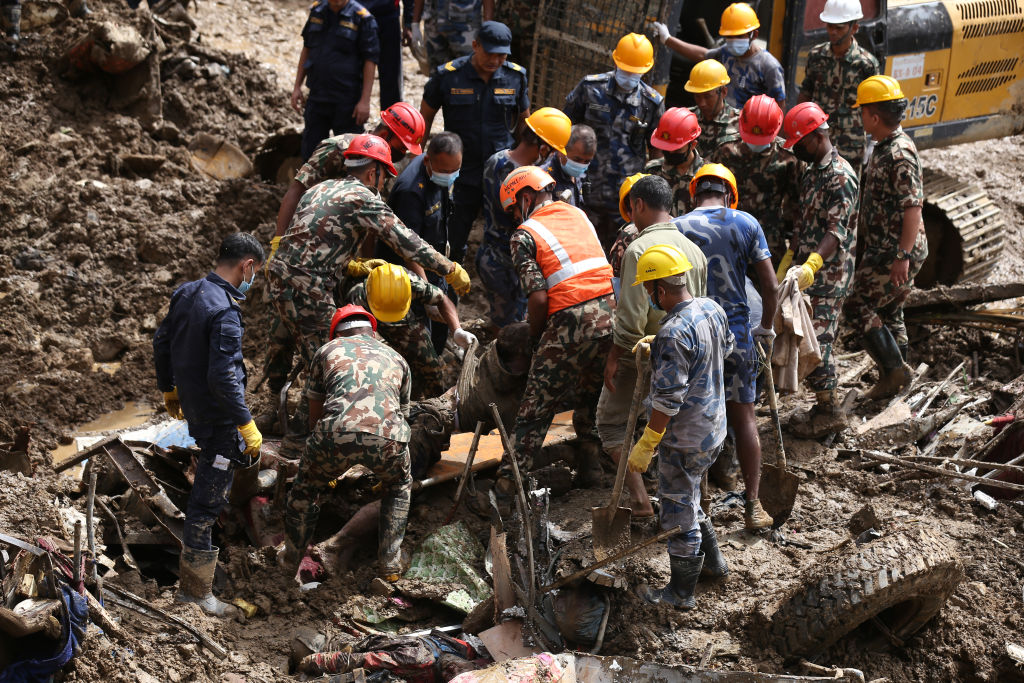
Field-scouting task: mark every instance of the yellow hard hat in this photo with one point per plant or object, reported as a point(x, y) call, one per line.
point(878, 89)
point(716, 171)
point(552, 125)
point(738, 19)
point(624, 189)
point(707, 75)
point(661, 260)
point(389, 292)
point(634, 53)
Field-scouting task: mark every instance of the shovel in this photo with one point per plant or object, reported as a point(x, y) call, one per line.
point(611, 523)
point(778, 485)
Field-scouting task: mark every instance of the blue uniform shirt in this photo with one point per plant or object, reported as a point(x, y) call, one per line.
point(483, 114)
point(338, 43)
point(198, 348)
point(732, 241)
point(424, 207)
point(498, 224)
point(567, 188)
point(758, 74)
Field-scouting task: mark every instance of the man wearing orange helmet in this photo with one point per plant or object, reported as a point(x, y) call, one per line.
point(753, 70)
point(567, 281)
point(767, 176)
point(676, 137)
point(623, 111)
point(718, 120)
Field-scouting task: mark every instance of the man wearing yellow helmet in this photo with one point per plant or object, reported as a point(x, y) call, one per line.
point(718, 120)
point(623, 111)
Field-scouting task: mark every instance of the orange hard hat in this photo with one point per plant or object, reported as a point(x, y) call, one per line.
point(738, 19)
point(372, 147)
point(524, 176)
point(716, 171)
point(406, 122)
point(634, 53)
point(801, 120)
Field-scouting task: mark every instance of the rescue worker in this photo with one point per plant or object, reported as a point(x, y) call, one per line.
point(390, 36)
point(718, 120)
point(338, 61)
point(767, 175)
point(197, 351)
point(834, 69)
point(627, 233)
point(623, 111)
point(752, 70)
point(352, 426)
point(896, 244)
point(649, 204)
point(546, 130)
point(567, 281)
point(676, 137)
point(449, 26)
point(825, 238)
point(687, 421)
point(388, 292)
point(570, 169)
point(733, 243)
point(484, 98)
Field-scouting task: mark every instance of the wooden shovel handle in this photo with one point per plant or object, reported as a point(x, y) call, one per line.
point(627, 439)
point(774, 405)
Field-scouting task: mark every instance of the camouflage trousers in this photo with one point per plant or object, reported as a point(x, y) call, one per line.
point(446, 41)
point(874, 300)
point(500, 284)
point(825, 310)
point(560, 375)
point(413, 341)
point(679, 477)
point(330, 451)
point(280, 354)
point(309, 326)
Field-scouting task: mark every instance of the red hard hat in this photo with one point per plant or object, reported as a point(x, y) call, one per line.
point(351, 311)
point(678, 127)
point(407, 123)
point(371, 146)
point(802, 119)
point(760, 120)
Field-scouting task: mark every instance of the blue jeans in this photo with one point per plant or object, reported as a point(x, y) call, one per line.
point(221, 454)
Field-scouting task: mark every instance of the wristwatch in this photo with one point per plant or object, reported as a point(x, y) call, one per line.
point(902, 254)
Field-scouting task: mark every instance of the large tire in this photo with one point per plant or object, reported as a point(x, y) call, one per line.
point(903, 579)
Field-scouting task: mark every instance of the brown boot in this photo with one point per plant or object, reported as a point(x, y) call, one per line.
point(890, 383)
point(825, 417)
point(754, 516)
point(893, 372)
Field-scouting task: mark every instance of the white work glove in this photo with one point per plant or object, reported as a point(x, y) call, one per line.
point(763, 335)
point(464, 338)
point(417, 34)
point(662, 29)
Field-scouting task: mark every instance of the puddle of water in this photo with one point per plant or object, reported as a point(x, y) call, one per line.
point(109, 368)
point(132, 415)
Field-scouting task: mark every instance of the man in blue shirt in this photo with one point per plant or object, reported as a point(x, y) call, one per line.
point(484, 98)
point(570, 169)
point(197, 351)
point(733, 242)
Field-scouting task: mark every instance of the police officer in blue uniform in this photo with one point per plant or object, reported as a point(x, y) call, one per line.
point(484, 98)
point(338, 62)
point(570, 169)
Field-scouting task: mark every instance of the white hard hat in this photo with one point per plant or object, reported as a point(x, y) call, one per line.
point(841, 11)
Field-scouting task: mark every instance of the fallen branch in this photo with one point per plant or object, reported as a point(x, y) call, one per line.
point(935, 392)
point(961, 296)
point(128, 558)
point(148, 609)
point(995, 483)
point(969, 463)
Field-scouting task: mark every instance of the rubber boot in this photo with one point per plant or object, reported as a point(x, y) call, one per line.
point(197, 568)
point(679, 591)
point(299, 528)
point(893, 373)
point(12, 13)
point(825, 417)
point(394, 516)
point(905, 352)
point(754, 516)
point(589, 474)
point(246, 483)
point(715, 566)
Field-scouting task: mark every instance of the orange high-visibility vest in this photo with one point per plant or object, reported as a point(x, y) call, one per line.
point(569, 254)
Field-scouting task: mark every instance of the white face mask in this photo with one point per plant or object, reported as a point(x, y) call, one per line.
point(626, 80)
point(737, 46)
point(757, 149)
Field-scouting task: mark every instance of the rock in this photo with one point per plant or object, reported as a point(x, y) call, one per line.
point(108, 348)
point(864, 519)
point(31, 259)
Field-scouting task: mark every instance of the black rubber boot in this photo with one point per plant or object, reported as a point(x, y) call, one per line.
point(893, 373)
point(905, 352)
point(589, 474)
point(299, 528)
point(679, 591)
point(715, 566)
point(197, 568)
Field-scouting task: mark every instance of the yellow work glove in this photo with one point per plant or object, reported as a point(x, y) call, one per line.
point(361, 267)
point(784, 264)
point(253, 438)
point(173, 404)
point(459, 280)
point(645, 344)
point(807, 271)
point(275, 242)
point(643, 451)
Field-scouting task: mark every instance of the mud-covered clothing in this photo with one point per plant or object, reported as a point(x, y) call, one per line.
point(678, 180)
point(220, 454)
point(679, 477)
point(768, 183)
point(198, 349)
point(449, 28)
point(725, 127)
point(758, 74)
point(832, 82)
point(326, 161)
point(568, 189)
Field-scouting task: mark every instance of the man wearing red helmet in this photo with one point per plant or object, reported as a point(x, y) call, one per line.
point(823, 240)
point(767, 175)
point(676, 137)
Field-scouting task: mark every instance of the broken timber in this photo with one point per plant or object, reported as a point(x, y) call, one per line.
point(960, 297)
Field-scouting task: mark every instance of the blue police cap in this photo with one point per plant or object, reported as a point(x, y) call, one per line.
point(495, 38)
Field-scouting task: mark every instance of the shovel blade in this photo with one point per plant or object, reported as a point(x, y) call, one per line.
point(778, 492)
point(610, 530)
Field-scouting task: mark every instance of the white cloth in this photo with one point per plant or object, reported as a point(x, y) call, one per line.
point(796, 351)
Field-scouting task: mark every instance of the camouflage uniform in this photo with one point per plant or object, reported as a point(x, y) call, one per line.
point(678, 180)
point(494, 258)
point(758, 74)
point(410, 336)
point(713, 134)
point(687, 384)
point(449, 28)
point(892, 184)
point(832, 82)
point(623, 123)
point(828, 202)
point(364, 386)
point(568, 363)
point(567, 188)
point(768, 183)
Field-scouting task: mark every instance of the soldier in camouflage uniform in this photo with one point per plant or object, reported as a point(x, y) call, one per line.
point(834, 69)
point(825, 239)
point(353, 426)
point(676, 135)
point(449, 27)
point(687, 422)
point(623, 111)
point(719, 121)
point(896, 245)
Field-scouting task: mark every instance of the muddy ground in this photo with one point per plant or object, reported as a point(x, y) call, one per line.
point(93, 247)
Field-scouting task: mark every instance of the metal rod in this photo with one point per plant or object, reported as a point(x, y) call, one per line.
point(524, 511)
point(875, 455)
point(466, 471)
point(77, 569)
point(89, 522)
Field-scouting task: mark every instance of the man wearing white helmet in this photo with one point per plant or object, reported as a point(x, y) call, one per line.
point(834, 69)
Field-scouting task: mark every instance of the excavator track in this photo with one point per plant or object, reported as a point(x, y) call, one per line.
point(965, 231)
